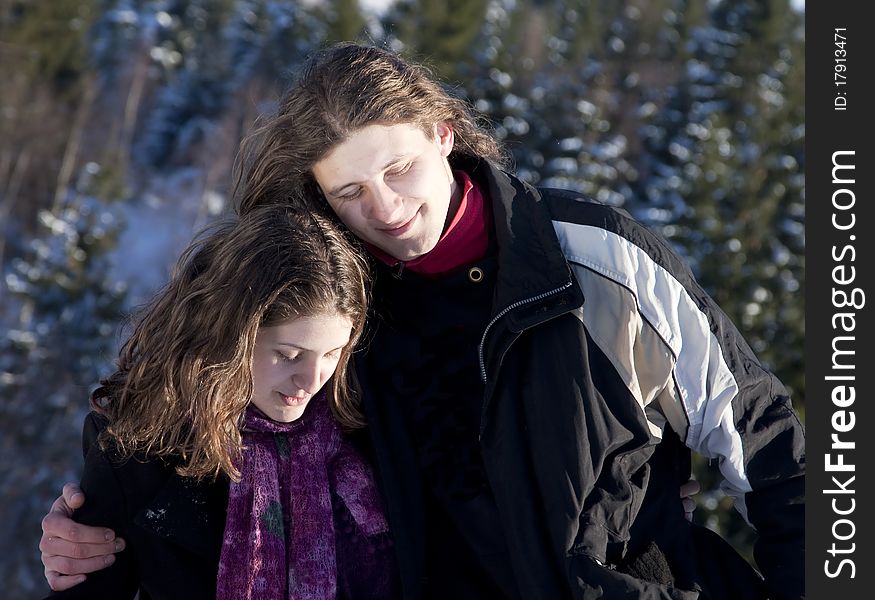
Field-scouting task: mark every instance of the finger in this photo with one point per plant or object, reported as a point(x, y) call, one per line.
point(73, 495)
point(58, 524)
point(689, 506)
point(690, 488)
point(54, 546)
point(59, 582)
point(60, 507)
point(65, 566)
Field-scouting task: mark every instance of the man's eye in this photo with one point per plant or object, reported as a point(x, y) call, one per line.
point(400, 170)
point(351, 195)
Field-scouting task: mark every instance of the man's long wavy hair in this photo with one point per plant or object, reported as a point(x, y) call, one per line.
point(340, 90)
point(184, 376)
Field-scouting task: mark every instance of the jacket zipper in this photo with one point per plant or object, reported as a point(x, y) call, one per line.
point(506, 310)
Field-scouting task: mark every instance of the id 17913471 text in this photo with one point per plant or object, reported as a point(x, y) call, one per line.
point(840, 69)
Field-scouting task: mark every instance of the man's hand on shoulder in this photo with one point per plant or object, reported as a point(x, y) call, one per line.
point(70, 549)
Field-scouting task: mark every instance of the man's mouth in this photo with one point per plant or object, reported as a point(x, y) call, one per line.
point(397, 230)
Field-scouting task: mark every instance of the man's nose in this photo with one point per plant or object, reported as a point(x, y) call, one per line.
point(385, 204)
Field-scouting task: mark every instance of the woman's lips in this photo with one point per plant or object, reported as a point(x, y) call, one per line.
point(293, 400)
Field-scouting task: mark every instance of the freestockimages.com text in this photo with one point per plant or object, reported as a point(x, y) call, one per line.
point(847, 300)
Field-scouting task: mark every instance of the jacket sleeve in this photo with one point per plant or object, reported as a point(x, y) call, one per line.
point(730, 407)
point(677, 350)
point(104, 506)
point(740, 414)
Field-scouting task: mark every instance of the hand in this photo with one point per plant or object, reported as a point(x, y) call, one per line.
point(69, 549)
point(688, 490)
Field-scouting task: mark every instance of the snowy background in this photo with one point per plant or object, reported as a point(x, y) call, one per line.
point(120, 121)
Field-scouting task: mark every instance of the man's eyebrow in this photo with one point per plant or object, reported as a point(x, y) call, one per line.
point(395, 159)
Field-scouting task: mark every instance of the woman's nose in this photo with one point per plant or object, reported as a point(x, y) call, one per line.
point(308, 378)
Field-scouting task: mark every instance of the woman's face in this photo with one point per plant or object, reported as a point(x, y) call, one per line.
point(293, 360)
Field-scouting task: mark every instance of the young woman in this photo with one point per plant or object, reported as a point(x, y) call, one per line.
point(216, 449)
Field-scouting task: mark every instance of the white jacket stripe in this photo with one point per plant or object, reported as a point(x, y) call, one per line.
point(704, 381)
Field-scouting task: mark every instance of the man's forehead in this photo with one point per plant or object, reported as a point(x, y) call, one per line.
point(366, 152)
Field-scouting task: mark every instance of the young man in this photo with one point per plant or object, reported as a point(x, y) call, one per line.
point(538, 369)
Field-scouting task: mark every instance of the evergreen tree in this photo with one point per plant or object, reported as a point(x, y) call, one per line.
point(345, 21)
point(439, 33)
point(59, 342)
point(560, 114)
point(52, 33)
point(221, 46)
point(723, 179)
point(725, 170)
point(69, 305)
point(119, 27)
point(268, 39)
point(198, 82)
point(45, 73)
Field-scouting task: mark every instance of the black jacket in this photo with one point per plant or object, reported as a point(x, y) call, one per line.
point(173, 527)
point(600, 346)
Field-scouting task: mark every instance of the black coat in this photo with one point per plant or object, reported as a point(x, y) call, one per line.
point(173, 527)
point(599, 346)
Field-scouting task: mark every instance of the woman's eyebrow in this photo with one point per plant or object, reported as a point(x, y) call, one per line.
point(295, 346)
point(303, 349)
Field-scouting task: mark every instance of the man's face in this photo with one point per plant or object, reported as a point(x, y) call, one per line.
point(392, 186)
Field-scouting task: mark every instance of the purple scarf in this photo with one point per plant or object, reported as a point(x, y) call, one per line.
point(279, 541)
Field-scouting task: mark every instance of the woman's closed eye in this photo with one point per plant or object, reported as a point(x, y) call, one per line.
point(288, 357)
point(334, 354)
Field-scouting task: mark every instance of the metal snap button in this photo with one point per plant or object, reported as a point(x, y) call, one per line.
point(475, 274)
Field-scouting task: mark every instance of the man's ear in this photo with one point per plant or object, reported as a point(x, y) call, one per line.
point(444, 137)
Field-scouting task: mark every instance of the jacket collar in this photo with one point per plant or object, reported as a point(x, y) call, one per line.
point(530, 260)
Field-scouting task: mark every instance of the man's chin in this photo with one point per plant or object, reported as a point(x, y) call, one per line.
point(407, 254)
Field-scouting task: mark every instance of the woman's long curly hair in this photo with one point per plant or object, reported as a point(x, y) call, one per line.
point(340, 90)
point(184, 376)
